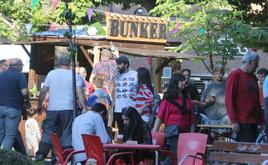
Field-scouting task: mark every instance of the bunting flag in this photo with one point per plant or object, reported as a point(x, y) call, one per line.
point(54, 4)
point(34, 3)
point(177, 27)
point(89, 14)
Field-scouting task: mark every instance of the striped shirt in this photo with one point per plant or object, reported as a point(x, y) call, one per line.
point(144, 99)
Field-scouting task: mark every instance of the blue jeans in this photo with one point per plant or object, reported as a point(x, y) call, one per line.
point(9, 122)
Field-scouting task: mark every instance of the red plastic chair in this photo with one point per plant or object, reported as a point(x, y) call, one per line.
point(59, 152)
point(159, 137)
point(191, 148)
point(94, 149)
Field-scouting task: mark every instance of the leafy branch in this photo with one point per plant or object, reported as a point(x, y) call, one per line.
point(211, 28)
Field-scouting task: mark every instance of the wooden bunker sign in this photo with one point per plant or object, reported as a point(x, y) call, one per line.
point(136, 28)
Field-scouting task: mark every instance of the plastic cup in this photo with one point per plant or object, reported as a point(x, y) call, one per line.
point(120, 139)
point(154, 141)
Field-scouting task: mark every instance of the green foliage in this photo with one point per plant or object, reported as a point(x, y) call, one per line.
point(12, 18)
point(15, 13)
point(255, 18)
point(211, 28)
point(99, 28)
point(8, 157)
point(44, 14)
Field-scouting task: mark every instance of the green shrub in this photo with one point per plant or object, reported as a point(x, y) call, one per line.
point(9, 157)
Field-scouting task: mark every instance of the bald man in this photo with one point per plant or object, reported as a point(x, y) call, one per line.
point(13, 93)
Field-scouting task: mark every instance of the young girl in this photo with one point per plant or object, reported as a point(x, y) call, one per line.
point(32, 132)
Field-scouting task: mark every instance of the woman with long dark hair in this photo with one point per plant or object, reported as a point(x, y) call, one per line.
point(175, 111)
point(145, 94)
point(135, 129)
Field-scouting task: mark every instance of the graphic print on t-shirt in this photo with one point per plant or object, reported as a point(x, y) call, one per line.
point(125, 90)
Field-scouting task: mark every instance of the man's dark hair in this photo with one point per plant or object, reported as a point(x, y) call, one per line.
point(262, 71)
point(186, 70)
point(64, 60)
point(99, 107)
point(122, 59)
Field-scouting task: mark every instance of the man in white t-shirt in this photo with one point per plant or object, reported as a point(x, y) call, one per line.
point(124, 86)
point(59, 114)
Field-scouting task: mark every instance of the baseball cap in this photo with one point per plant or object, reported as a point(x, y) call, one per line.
point(250, 56)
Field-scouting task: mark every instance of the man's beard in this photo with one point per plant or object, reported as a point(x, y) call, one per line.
point(121, 70)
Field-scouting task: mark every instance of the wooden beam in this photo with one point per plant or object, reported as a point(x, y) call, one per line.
point(86, 55)
point(26, 50)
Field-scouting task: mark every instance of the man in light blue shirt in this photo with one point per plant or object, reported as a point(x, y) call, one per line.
point(90, 123)
point(59, 114)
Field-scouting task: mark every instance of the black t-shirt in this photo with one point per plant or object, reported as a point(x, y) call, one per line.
point(192, 92)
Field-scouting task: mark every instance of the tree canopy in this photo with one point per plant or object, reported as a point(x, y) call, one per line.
point(212, 28)
point(16, 13)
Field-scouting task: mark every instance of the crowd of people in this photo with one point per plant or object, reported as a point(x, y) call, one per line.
point(117, 96)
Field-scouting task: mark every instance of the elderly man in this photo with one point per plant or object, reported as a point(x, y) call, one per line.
point(59, 115)
point(13, 93)
point(242, 99)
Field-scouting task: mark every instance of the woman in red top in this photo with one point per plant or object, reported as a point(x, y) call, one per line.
point(175, 111)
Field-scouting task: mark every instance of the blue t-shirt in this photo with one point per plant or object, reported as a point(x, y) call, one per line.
point(265, 87)
point(12, 81)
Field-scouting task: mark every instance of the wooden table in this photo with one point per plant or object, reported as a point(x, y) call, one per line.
point(210, 127)
point(155, 148)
